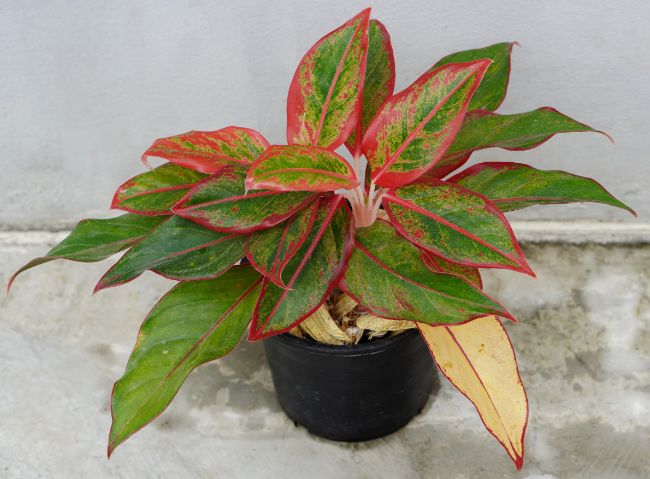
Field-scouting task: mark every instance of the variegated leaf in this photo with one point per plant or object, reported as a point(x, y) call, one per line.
point(221, 203)
point(271, 249)
point(513, 186)
point(178, 249)
point(522, 131)
point(312, 273)
point(493, 87)
point(455, 223)
point(96, 240)
point(195, 322)
point(386, 276)
point(378, 84)
point(156, 191)
point(209, 151)
point(414, 128)
point(478, 359)
point(324, 98)
point(300, 168)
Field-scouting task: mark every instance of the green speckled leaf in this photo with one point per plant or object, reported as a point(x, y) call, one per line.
point(521, 131)
point(156, 191)
point(386, 275)
point(209, 151)
point(221, 203)
point(414, 128)
point(270, 250)
point(379, 81)
point(194, 323)
point(310, 275)
point(300, 168)
point(492, 91)
point(178, 249)
point(324, 98)
point(95, 240)
point(513, 186)
point(455, 223)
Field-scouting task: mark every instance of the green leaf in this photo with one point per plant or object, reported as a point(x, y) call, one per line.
point(492, 91)
point(379, 81)
point(300, 168)
point(95, 240)
point(324, 98)
point(440, 265)
point(521, 131)
point(194, 323)
point(178, 249)
point(415, 127)
point(513, 186)
point(386, 275)
point(455, 223)
point(312, 273)
point(270, 250)
point(156, 191)
point(221, 203)
point(209, 151)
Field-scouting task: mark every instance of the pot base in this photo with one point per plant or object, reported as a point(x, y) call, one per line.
point(352, 393)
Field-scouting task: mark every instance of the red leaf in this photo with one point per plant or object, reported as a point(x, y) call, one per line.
point(209, 151)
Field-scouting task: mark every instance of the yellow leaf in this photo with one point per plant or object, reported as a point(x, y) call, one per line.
point(477, 357)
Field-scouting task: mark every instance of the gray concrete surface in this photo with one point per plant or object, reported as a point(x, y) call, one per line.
point(87, 85)
point(583, 345)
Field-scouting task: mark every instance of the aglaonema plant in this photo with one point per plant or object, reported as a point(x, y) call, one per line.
point(404, 237)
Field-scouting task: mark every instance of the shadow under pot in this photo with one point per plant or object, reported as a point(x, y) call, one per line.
point(352, 393)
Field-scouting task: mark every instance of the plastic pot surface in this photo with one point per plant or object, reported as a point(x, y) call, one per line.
point(352, 393)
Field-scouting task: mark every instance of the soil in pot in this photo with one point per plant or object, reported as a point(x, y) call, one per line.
point(352, 393)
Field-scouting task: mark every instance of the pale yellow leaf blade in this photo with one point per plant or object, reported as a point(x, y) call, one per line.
point(477, 357)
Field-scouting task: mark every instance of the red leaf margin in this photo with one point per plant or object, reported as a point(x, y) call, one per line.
point(369, 139)
point(294, 98)
point(256, 333)
point(275, 275)
point(202, 164)
point(343, 288)
point(520, 259)
point(271, 220)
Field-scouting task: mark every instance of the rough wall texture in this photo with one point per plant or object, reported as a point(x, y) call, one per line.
point(583, 344)
point(88, 84)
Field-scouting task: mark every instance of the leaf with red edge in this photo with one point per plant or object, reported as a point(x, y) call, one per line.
point(312, 273)
point(95, 240)
point(513, 186)
point(209, 151)
point(415, 127)
point(455, 223)
point(492, 91)
point(378, 84)
point(440, 265)
point(477, 358)
point(195, 322)
point(178, 249)
point(386, 276)
point(270, 250)
point(220, 203)
point(522, 131)
point(300, 168)
point(324, 100)
point(156, 191)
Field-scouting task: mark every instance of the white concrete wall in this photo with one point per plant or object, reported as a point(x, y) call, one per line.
point(86, 85)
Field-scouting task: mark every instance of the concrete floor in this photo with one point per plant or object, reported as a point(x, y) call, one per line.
point(583, 346)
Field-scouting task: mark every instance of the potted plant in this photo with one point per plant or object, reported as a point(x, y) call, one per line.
point(351, 275)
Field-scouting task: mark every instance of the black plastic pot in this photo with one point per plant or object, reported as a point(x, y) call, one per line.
point(352, 393)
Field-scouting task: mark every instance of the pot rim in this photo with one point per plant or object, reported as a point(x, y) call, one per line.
point(345, 350)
